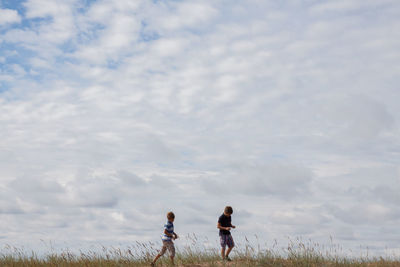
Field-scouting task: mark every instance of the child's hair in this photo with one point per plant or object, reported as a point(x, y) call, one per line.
point(228, 210)
point(170, 215)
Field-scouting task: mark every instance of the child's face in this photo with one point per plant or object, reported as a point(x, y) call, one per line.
point(228, 214)
point(171, 219)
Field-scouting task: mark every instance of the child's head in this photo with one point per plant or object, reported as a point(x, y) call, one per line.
point(228, 210)
point(170, 216)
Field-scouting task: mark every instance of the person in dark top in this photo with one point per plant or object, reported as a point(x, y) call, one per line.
point(225, 226)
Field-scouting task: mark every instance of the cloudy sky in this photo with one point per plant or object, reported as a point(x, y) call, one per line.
point(114, 112)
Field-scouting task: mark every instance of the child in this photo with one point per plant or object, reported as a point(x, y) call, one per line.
point(224, 226)
point(167, 238)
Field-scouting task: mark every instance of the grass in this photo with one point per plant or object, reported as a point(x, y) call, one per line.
point(297, 253)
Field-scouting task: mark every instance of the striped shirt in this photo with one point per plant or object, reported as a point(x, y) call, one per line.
point(169, 227)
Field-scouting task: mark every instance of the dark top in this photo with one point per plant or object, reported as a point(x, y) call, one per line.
point(225, 221)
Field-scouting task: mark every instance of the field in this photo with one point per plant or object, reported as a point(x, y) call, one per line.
point(297, 253)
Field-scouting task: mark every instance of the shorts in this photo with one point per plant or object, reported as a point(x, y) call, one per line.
point(168, 245)
point(226, 240)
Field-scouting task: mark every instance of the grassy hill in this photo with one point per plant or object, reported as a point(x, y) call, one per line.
point(295, 254)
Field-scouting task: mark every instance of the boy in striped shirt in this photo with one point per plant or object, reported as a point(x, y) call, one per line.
point(167, 238)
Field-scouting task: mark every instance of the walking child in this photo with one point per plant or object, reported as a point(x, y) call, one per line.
point(167, 238)
point(224, 226)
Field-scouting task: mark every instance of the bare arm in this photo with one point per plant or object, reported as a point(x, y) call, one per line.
point(175, 235)
point(168, 234)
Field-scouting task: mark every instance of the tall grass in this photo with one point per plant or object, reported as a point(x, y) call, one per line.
point(195, 253)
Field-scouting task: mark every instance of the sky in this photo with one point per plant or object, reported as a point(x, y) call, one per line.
point(113, 113)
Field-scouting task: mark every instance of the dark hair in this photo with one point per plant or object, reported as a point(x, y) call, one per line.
point(228, 210)
point(170, 215)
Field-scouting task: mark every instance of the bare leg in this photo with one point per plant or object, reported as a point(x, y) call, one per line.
point(172, 260)
point(155, 259)
point(223, 253)
point(228, 251)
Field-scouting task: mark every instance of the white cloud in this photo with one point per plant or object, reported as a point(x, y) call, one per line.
point(366, 214)
point(43, 8)
point(275, 180)
point(357, 118)
point(61, 26)
point(169, 47)
point(8, 16)
point(346, 6)
point(183, 15)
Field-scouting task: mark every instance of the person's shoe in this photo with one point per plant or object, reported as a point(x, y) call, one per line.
point(152, 264)
point(228, 259)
